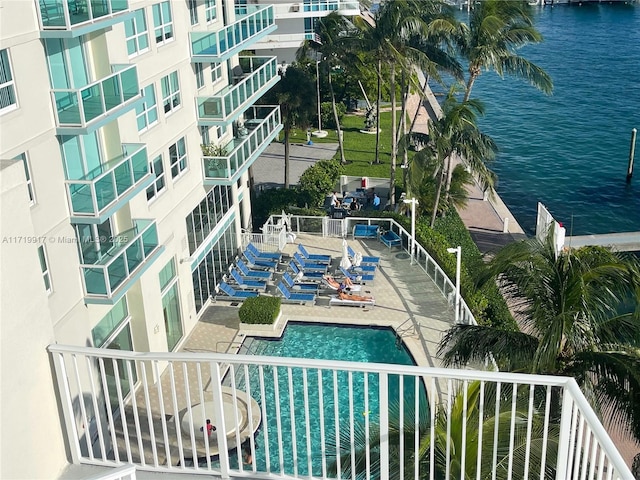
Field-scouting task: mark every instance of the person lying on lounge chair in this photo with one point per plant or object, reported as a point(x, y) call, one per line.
point(346, 282)
point(353, 297)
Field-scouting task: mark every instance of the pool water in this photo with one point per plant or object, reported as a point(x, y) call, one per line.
point(299, 454)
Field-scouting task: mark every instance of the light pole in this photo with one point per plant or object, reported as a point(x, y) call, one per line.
point(413, 202)
point(458, 252)
point(319, 133)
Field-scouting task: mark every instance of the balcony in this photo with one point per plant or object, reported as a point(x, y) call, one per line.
point(72, 18)
point(214, 47)
point(99, 194)
point(82, 110)
point(289, 40)
point(107, 279)
point(256, 74)
point(244, 150)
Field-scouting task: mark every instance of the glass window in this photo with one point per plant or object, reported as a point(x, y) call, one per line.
point(204, 135)
point(110, 323)
point(167, 274)
point(210, 10)
point(205, 216)
point(170, 92)
point(162, 22)
point(8, 99)
point(216, 72)
point(197, 67)
point(44, 266)
point(178, 158)
point(193, 12)
point(157, 168)
point(171, 304)
point(121, 341)
point(147, 110)
point(27, 172)
point(137, 34)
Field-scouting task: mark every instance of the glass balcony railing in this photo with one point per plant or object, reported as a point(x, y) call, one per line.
point(330, 6)
point(212, 47)
point(256, 76)
point(244, 150)
point(81, 110)
point(58, 17)
point(131, 252)
point(103, 190)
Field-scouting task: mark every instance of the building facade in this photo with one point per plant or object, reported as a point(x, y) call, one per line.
point(127, 130)
point(296, 21)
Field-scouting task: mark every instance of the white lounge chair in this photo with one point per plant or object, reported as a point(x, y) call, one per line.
point(336, 300)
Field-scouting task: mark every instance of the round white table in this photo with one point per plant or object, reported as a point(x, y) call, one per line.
point(209, 413)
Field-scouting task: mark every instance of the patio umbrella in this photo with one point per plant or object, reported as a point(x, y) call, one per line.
point(357, 259)
point(345, 262)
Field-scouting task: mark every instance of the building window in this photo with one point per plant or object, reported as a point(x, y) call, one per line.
point(137, 34)
point(178, 158)
point(157, 168)
point(204, 135)
point(27, 173)
point(8, 100)
point(216, 72)
point(44, 266)
point(171, 304)
point(203, 219)
point(170, 92)
point(110, 323)
point(214, 265)
point(162, 22)
point(210, 10)
point(147, 110)
point(193, 12)
point(197, 67)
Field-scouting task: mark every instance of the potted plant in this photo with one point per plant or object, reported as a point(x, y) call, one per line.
point(215, 164)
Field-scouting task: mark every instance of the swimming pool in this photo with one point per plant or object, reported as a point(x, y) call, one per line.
point(353, 411)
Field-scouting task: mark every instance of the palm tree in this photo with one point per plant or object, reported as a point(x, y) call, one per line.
point(578, 313)
point(333, 46)
point(458, 424)
point(295, 93)
point(456, 134)
point(497, 28)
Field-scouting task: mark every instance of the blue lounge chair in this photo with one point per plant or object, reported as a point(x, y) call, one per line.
point(300, 287)
point(313, 258)
point(254, 261)
point(230, 293)
point(316, 276)
point(370, 260)
point(357, 278)
point(247, 283)
point(264, 255)
point(295, 297)
point(254, 274)
point(309, 266)
point(363, 268)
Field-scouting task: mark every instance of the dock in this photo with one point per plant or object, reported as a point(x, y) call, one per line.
point(621, 242)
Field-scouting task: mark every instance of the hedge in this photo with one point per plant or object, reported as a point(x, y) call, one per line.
point(260, 310)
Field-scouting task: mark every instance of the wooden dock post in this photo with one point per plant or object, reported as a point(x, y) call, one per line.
point(632, 151)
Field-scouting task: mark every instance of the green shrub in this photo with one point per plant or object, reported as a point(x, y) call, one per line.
point(326, 113)
point(318, 180)
point(260, 310)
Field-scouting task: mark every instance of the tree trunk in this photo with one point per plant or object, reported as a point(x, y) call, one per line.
point(437, 200)
point(394, 136)
point(449, 176)
point(402, 129)
point(415, 115)
point(343, 160)
point(472, 78)
point(377, 160)
point(286, 157)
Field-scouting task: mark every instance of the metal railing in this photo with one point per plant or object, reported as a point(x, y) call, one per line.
point(298, 418)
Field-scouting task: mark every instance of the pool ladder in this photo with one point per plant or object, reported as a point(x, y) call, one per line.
point(406, 328)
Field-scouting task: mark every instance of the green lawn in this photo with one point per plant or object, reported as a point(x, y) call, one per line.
point(359, 148)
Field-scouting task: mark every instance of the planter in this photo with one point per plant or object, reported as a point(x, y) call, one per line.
point(261, 329)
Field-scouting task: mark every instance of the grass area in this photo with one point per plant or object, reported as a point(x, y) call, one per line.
point(359, 148)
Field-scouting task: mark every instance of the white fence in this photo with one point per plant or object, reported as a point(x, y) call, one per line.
point(301, 418)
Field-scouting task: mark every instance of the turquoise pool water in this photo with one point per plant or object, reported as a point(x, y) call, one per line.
point(329, 342)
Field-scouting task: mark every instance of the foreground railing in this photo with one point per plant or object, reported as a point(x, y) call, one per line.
point(297, 418)
point(318, 225)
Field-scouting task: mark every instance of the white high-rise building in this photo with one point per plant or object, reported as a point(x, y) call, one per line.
point(115, 226)
point(296, 21)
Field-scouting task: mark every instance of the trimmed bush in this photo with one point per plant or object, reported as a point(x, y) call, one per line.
point(259, 310)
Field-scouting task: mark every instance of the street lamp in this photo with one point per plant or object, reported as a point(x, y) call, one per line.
point(458, 252)
point(413, 202)
point(319, 133)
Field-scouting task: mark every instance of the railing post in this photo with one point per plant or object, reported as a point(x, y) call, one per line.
point(216, 384)
point(562, 462)
point(384, 426)
point(67, 407)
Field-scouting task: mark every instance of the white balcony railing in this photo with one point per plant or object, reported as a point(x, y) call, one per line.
point(316, 418)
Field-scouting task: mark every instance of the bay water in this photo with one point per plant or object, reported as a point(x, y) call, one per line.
point(570, 150)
